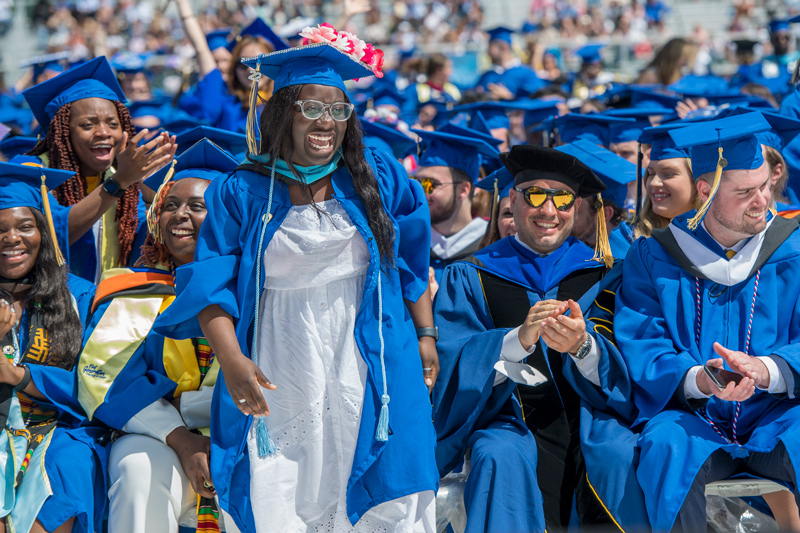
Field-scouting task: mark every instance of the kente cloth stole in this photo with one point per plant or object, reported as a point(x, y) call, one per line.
point(205, 356)
point(207, 510)
point(38, 421)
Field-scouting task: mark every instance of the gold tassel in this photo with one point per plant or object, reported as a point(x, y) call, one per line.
point(152, 218)
point(49, 216)
point(602, 248)
point(701, 213)
point(252, 112)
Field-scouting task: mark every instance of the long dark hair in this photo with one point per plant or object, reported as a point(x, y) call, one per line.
point(276, 140)
point(50, 294)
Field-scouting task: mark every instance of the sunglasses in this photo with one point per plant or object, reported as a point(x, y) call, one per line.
point(428, 185)
point(314, 109)
point(537, 196)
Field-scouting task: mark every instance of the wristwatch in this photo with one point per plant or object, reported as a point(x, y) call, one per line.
point(113, 188)
point(428, 332)
point(583, 351)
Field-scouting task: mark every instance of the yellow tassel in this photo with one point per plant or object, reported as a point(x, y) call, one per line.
point(49, 216)
point(602, 248)
point(495, 202)
point(701, 213)
point(252, 112)
point(152, 218)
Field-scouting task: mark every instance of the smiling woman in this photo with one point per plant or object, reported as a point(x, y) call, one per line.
point(309, 281)
point(61, 483)
point(90, 132)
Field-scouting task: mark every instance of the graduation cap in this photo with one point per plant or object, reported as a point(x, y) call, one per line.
point(614, 171)
point(53, 62)
point(661, 144)
point(745, 46)
point(17, 145)
point(456, 151)
point(259, 28)
point(783, 129)
point(528, 163)
point(204, 160)
point(395, 141)
point(498, 182)
point(218, 39)
point(539, 111)
point(630, 131)
point(590, 53)
point(693, 85)
point(388, 95)
point(649, 97)
point(593, 127)
point(24, 182)
point(778, 25)
point(233, 143)
point(727, 143)
point(500, 33)
point(93, 79)
point(484, 135)
point(125, 63)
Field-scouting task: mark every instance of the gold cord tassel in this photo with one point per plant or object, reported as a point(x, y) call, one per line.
point(252, 112)
point(602, 248)
point(701, 213)
point(49, 216)
point(152, 218)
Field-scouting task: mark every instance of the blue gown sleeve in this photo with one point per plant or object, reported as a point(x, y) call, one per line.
point(208, 99)
point(409, 208)
point(59, 387)
point(656, 365)
point(464, 397)
point(211, 278)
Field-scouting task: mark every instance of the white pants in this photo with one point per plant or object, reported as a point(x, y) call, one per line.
point(149, 491)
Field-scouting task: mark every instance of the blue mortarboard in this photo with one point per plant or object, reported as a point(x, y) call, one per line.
point(661, 144)
point(484, 135)
point(259, 28)
point(93, 79)
point(53, 62)
point(645, 97)
point(614, 171)
point(692, 85)
point(129, 63)
point(233, 143)
point(17, 145)
point(501, 178)
point(540, 110)
point(495, 114)
point(592, 127)
point(590, 53)
point(21, 180)
point(735, 134)
point(218, 39)
point(204, 160)
point(793, 19)
point(630, 131)
point(783, 128)
point(181, 122)
point(319, 64)
point(444, 110)
point(528, 27)
point(500, 33)
point(388, 95)
point(779, 25)
point(457, 151)
point(399, 143)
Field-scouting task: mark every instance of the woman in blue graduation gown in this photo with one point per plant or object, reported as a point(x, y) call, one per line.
point(349, 436)
point(53, 461)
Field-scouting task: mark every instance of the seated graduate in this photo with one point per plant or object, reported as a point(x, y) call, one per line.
point(491, 310)
point(310, 276)
point(156, 390)
point(501, 223)
point(88, 131)
point(448, 170)
point(53, 461)
point(711, 292)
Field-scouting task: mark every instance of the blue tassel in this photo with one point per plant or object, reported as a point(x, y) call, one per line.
point(265, 444)
point(382, 433)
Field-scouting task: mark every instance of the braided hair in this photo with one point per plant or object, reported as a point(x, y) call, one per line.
point(62, 156)
point(154, 252)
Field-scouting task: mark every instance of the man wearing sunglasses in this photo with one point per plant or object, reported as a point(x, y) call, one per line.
point(447, 170)
point(501, 395)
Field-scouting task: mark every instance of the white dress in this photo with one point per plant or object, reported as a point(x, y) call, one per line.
point(315, 267)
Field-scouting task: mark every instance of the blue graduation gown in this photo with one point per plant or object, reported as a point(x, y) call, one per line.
point(76, 457)
point(656, 330)
point(223, 273)
point(210, 100)
point(467, 405)
point(521, 80)
point(790, 106)
point(620, 239)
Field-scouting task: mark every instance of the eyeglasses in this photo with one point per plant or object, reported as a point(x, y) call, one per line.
point(428, 185)
point(314, 109)
point(537, 196)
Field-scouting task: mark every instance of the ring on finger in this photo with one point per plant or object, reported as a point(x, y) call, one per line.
point(243, 400)
point(429, 369)
point(207, 485)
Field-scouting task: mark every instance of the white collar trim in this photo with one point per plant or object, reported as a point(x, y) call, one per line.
point(447, 247)
point(719, 269)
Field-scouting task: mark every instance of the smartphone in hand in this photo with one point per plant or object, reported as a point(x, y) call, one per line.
point(721, 377)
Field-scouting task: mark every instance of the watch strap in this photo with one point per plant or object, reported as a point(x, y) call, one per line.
point(26, 379)
point(583, 351)
point(112, 187)
point(428, 332)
